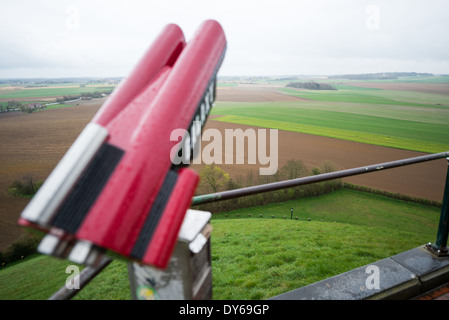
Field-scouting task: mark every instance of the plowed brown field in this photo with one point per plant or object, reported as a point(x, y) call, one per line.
point(253, 93)
point(423, 180)
point(437, 88)
point(32, 145)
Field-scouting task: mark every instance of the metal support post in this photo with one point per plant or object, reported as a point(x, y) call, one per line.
point(440, 248)
point(189, 273)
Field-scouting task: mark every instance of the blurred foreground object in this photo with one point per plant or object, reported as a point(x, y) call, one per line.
point(117, 189)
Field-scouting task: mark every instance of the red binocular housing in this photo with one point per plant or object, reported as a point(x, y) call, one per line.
point(117, 189)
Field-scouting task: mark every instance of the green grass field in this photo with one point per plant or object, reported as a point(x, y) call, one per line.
point(399, 119)
point(353, 94)
point(257, 257)
point(57, 106)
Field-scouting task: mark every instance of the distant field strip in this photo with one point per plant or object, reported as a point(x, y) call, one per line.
point(353, 94)
point(406, 79)
point(51, 92)
point(404, 127)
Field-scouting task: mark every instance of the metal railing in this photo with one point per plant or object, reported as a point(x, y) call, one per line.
point(230, 194)
point(438, 248)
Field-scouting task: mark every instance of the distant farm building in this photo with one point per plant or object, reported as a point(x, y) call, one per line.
point(35, 106)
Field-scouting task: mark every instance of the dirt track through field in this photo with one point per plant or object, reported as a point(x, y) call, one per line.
point(33, 144)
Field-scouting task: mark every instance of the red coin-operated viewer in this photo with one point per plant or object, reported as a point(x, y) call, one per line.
point(116, 189)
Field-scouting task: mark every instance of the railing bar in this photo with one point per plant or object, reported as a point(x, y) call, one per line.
point(443, 226)
point(86, 275)
point(230, 194)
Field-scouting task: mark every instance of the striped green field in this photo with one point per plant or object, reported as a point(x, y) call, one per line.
point(51, 92)
point(399, 119)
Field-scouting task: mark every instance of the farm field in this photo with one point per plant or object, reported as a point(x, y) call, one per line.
point(20, 93)
point(361, 227)
point(32, 144)
point(402, 119)
point(423, 180)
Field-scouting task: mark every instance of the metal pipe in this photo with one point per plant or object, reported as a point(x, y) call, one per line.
point(86, 275)
point(443, 228)
point(440, 246)
point(236, 193)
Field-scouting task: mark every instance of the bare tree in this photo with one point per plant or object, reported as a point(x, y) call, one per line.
point(214, 177)
point(294, 169)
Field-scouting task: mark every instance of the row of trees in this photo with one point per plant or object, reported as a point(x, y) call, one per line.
point(311, 85)
point(84, 96)
point(25, 107)
point(95, 94)
point(14, 105)
point(66, 98)
point(10, 106)
point(215, 179)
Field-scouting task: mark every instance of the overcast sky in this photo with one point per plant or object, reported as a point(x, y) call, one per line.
point(54, 38)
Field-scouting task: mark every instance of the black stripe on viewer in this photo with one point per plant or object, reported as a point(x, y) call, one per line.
point(152, 220)
point(73, 211)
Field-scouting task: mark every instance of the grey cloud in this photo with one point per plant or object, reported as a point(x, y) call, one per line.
point(268, 37)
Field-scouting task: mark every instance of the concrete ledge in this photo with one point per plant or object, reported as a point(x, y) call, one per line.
point(399, 277)
point(431, 270)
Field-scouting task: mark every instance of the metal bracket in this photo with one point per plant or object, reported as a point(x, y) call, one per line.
point(440, 252)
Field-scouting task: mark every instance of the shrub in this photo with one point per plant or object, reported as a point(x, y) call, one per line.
point(26, 187)
point(26, 245)
point(311, 85)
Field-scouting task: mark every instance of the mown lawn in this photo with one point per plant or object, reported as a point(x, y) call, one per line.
point(257, 257)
